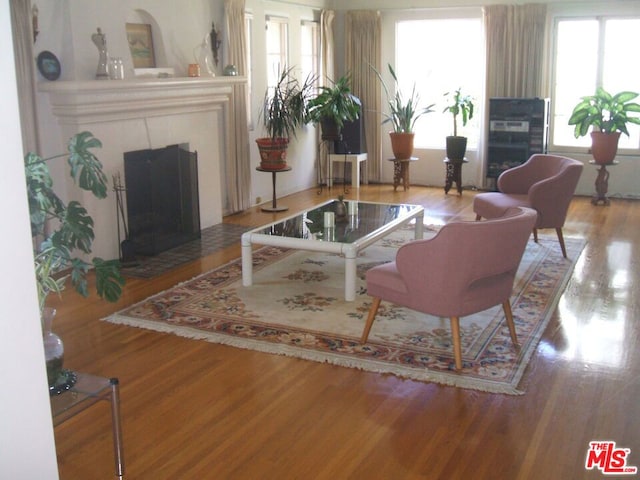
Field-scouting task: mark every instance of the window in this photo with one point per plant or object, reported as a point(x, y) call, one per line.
point(590, 52)
point(451, 56)
point(277, 48)
point(310, 49)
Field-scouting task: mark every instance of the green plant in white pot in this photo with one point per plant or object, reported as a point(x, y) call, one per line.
point(60, 230)
point(404, 112)
point(460, 106)
point(607, 117)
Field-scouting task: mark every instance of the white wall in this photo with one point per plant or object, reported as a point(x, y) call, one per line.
point(27, 449)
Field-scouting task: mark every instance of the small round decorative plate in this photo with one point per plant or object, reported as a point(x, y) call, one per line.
point(48, 65)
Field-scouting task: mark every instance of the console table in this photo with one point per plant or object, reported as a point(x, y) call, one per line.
point(401, 171)
point(274, 206)
point(453, 174)
point(88, 390)
point(602, 183)
point(352, 158)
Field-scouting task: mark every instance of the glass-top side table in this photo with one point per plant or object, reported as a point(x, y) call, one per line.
point(88, 390)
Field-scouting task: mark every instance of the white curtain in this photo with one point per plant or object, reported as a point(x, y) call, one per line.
point(21, 16)
point(327, 72)
point(516, 40)
point(237, 163)
point(363, 49)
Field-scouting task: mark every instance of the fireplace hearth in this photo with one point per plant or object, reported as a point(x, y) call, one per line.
point(162, 198)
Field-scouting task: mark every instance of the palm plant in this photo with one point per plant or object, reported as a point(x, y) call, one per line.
point(335, 104)
point(403, 111)
point(54, 258)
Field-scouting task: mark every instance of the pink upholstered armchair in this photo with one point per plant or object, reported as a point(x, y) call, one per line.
point(466, 268)
point(545, 183)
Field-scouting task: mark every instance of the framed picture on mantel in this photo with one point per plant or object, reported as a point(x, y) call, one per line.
point(141, 45)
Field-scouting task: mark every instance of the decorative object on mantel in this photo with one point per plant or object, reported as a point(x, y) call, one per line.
point(194, 70)
point(100, 41)
point(48, 65)
point(54, 261)
point(34, 22)
point(215, 43)
point(607, 116)
point(230, 71)
point(202, 56)
point(116, 69)
point(140, 41)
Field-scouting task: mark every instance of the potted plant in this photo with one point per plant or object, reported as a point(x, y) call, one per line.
point(60, 229)
point(285, 109)
point(403, 114)
point(461, 105)
point(333, 106)
point(607, 116)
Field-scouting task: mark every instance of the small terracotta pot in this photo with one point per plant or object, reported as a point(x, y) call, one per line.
point(402, 145)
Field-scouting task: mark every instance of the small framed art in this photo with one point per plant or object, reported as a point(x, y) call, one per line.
point(141, 45)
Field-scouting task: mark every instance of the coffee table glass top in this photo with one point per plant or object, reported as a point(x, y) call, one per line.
point(361, 219)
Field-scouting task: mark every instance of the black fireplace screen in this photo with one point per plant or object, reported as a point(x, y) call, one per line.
point(163, 209)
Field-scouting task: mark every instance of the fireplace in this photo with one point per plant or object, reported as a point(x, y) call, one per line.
point(162, 198)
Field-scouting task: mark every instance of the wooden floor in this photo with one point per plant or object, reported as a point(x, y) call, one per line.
point(195, 410)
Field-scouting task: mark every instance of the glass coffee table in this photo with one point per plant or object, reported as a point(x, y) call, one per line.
point(321, 230)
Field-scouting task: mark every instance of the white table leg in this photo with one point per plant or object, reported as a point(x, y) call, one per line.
point(355, 173)
point(247, 261)
point(419, 226)
point(350, 276)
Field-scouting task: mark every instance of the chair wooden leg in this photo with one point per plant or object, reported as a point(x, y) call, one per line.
point(372, 315)
point(506, 306)
point(535, 235)
point(478, 217)
point(561, 240)
point(457, 347)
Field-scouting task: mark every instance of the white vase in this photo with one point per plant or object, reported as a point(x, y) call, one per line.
point(53, 347)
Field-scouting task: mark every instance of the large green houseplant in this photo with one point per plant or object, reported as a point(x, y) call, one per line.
point(333, 106)
point(459, 106)
point(404, 112)
point(607, 117)
point(285, 109)
point(60, 230)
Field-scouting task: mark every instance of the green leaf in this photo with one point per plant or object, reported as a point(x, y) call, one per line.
point(86, 169)
point(76, 229)
point(109, 281)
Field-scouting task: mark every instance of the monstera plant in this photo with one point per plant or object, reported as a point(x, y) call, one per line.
point(61, 230)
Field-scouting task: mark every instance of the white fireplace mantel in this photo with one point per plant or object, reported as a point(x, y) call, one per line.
point(75, 102)
point(136, 114)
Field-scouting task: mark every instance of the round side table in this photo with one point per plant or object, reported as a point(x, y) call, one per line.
point(454, 174)
point(602, 182)
point(274, 206)
point(401, 171)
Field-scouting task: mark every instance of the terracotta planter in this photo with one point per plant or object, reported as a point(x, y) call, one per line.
point(273, 153)
point(402, 145)
point(604, 146)
point(456, 148)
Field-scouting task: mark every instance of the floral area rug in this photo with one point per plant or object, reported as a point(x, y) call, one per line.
point(296, 307)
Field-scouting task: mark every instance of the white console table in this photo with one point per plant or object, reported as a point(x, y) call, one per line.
point(354, 159)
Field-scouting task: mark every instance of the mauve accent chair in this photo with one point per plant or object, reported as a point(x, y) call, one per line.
point(545, 183)
point(466, 268)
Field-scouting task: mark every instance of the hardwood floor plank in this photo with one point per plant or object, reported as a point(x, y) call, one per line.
point(196, 410)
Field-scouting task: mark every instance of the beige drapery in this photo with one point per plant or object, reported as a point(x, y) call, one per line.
point(327, 73)
point(237, 163)
point(362, 50)
point(516, 38)
point(25, 72)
